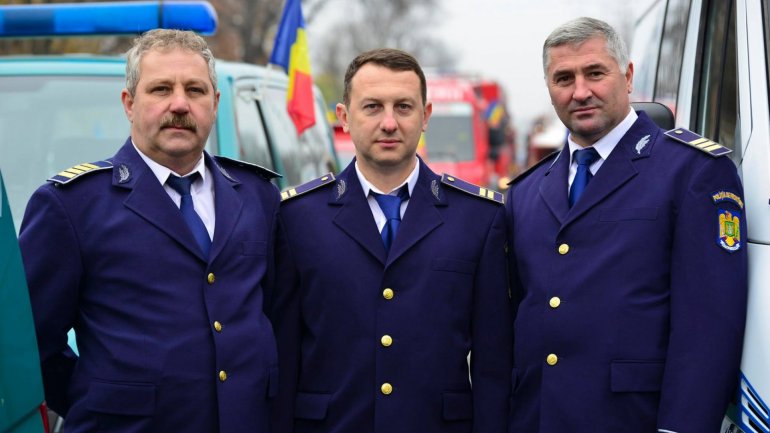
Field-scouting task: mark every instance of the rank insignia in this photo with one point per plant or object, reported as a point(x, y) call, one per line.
point(74, 172)
point(701, 143)
point(729, 236)
point(309, 186)
point(472, 189)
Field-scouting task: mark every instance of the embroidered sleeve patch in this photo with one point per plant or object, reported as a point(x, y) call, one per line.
point(727, 196)
point(729, 233)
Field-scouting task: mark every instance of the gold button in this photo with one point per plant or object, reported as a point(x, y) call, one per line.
point(386, 388)
point(222, 376)
point(211, 278)
point(563, 249)
point(387, 293)
point(217, 326)
point(554, 302)
point(386, 340)
point(552, 359)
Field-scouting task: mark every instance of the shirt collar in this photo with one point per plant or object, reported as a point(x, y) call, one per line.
point(162, 172)
point(606, 144)
point(410, 181)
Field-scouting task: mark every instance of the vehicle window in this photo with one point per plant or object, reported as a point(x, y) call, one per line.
point(301, 158)
point(252, 140)
point(449, 137)
point(644, 51)
point(50, 123)
point(718, 99)
point(672, 49)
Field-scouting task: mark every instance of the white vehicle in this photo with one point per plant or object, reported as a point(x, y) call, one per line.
point(708, 60)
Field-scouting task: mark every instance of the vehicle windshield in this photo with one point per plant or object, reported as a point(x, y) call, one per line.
point(449, 137)
point(50, 123)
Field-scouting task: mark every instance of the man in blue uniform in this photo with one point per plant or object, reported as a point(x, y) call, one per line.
point(627, 260)
point(158, 258)
point(388, 277)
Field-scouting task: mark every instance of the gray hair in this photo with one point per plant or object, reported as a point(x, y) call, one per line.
point(579, 30)
point(165, 39)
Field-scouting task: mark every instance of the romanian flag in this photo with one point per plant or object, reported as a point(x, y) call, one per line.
point(291, 53)
point(494, 114)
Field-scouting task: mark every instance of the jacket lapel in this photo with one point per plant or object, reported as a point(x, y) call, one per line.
point(618, 168)
point(421, 216)
point(553, 188)
point(354, 216)
point(148, 199)
point(228, 206)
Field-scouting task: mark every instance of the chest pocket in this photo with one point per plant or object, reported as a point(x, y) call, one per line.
point(453, 265)
point(629, 214)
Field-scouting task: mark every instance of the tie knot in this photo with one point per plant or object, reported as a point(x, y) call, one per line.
point(391, 204)
point(182, 184)
point(586, 156)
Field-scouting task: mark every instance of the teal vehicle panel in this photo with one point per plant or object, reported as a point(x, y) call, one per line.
point(21, 386)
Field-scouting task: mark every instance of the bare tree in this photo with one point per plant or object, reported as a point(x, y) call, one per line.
point(368, 24)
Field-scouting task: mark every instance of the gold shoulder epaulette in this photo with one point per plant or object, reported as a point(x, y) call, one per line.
point(76, 171)
point(701, 143)
point(472, 189)
point(308, 186)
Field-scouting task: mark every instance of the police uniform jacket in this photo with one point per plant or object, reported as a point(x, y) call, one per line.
point(631, 304)
point(371, 341)
point(169, 341)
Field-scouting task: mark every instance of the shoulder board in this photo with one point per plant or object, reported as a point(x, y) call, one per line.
point(268, 174)
point(76, 171)
point(472, 189)
point(551, 157)
point(701, 143)
point(308, 186)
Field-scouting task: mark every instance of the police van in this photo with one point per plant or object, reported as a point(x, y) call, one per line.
point(709, 62)
point(59, 111)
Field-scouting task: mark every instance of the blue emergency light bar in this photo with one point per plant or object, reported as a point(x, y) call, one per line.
point(108, 18)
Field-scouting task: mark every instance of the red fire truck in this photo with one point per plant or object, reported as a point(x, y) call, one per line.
point(469, 132)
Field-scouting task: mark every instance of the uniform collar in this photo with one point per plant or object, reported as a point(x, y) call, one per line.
point(162, 172)
point(410, 181)
point(606, 144)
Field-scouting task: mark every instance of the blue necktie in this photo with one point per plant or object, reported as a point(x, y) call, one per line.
point(391, 207)
point(584, 158)
point(182, 186)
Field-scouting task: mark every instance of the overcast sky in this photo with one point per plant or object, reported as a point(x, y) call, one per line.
point(502, 40)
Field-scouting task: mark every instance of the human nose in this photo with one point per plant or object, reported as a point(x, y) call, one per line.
point(179, 102)
point(388, 122)
point(582, 89)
